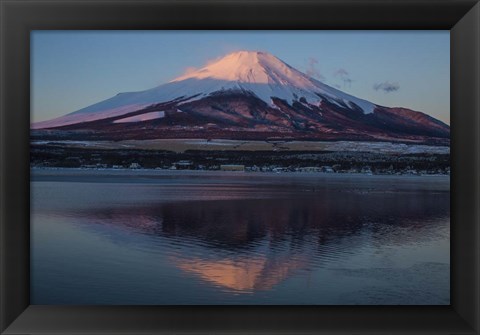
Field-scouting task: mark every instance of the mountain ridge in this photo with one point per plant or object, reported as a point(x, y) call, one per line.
point(254, 93)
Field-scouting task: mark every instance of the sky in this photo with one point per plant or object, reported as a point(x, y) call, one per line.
point(74, 69)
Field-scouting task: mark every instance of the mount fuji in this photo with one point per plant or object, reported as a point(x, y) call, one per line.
point(248, 95)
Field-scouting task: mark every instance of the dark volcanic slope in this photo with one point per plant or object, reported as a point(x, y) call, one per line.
point(239, 115)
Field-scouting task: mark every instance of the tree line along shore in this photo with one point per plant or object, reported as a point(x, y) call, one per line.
point(261, 161)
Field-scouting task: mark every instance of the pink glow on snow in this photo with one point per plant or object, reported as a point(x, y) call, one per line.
point(87, 117)
point(142, 117)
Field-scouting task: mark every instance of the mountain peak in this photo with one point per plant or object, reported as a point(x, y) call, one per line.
point(249, 67)
point(247, 53)
point(248, 57)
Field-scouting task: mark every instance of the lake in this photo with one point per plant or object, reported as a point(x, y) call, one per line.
point(156, 237)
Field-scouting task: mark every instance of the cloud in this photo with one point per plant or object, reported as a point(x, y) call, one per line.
point(312, 69)
point(341, 73)
point(210, 61)
point(189, 70)
point(386, 86)
point(344, 76)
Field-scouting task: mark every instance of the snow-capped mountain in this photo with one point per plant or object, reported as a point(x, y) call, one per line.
point(248, 94)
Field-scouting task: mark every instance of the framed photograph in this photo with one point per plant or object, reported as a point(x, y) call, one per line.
point(225, 167)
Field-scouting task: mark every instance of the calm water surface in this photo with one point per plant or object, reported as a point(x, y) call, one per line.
point(161, 237)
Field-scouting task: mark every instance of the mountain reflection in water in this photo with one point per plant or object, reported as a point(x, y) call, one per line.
point(249, 245)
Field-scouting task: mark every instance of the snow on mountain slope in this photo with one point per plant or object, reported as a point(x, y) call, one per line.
point(267, 76)
point(141, 117)
point(85, 116)
point(258, 73)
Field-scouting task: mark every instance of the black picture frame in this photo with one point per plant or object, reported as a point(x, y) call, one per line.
point(19, 17)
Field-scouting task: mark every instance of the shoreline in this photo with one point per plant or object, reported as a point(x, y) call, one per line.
point(53, 168)
point(328, 160)
point(146, 172)
point(182, 145)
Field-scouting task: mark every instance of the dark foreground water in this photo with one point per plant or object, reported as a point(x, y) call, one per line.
point(157, 237)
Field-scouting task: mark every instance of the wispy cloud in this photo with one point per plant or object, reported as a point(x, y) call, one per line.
point(386, 87)
point(341, 73)
point(189, 70)
point(344, 76)
point(312, 69)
